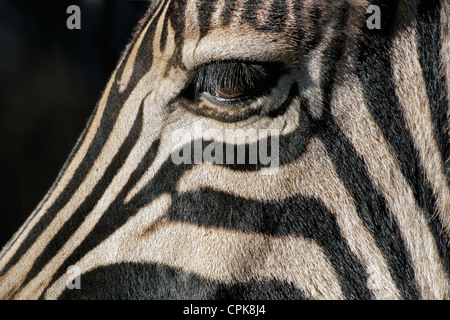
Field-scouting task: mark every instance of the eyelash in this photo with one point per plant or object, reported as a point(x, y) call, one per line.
point(253, 79)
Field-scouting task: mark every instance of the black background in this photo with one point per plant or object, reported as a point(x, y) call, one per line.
point(50, 81)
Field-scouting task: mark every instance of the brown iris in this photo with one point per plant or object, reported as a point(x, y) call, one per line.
point(231, 92)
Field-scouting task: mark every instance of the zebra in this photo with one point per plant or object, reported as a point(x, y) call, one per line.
point(356, 205)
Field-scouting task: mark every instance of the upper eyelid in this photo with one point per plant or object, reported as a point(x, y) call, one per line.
point(228, 46)
point(197, 67)
point(270, 65)
point(215, 73)
point(247, 60)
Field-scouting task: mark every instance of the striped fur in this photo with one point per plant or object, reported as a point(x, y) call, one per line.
point(359, 207)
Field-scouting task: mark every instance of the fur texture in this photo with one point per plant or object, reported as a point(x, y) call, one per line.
point(357, 208)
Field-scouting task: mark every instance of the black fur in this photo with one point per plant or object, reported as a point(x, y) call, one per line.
point(134, 281)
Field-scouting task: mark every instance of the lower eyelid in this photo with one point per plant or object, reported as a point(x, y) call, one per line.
point(221, 101)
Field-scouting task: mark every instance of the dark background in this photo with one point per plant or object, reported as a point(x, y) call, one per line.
point(50, 81)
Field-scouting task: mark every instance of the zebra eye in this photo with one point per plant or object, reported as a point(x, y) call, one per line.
point(228, 83)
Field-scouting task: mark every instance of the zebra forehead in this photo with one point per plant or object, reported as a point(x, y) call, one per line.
point(205, 30)
point(270, 17)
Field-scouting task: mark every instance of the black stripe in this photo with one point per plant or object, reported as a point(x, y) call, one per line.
point(316, 18)
point(205, 10)
point(376, 76)
point(430, 55)
point(164, 34)
point(141, 281)
point(293, 93)
point(228, 11)
point(332, 58)
point(275, 21)
point(296, 216)
point(176, 13)
point(144, 56)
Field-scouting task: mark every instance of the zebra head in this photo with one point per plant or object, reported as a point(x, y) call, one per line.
point(266, 149)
